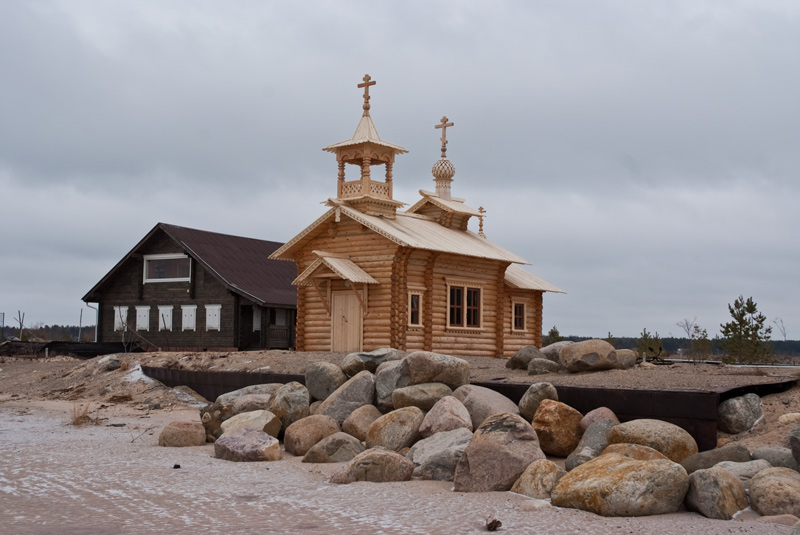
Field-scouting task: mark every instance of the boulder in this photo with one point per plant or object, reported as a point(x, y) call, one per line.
point(533, 396)
point(614, 485)
point(745, 471)
point(323, 378)
point(376, 465)
point(499, 452)
point(389, 377)
point(597, 415)
point(247, 445)
point(182, 434)
point(591, 445)
point(260, 420)
point(303, 434)
point(542, 367)
point(213, 414)
point(777, 456)
point(355, 363)
point(482, 403)
point(312, 409)
point(290, 403)
point(776, 491)
point(429, 367)
point(356, 392)
point(436, 457)
point(446, 415)
point(665, 437)
point(230, 397)
point(783, 520)
point(790, 418)
point(523, 356)
point(794, 443)
point(396, 430)
point(626, 358)
point(251, 402)
point(590, 355)
point(552, 351)
point(423, 396)
point(706, 459)
point(336, 448)
point(715, 493)
point(558, 427)
point(635, 451)
point(359, 421)
point(539, 479)
point(737, 415)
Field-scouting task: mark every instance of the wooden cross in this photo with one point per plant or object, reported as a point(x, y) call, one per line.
point(480, 217)
point(443, 125)
point(366, 85)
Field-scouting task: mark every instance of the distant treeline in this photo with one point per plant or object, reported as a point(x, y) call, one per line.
point(671, 345)
point(61, 333)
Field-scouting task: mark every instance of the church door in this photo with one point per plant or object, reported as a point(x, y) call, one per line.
point(345, 322)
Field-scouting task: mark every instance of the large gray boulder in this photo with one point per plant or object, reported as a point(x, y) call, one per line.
point(336, 448)
point(423, 396)
point(706, 459)
point(429, 367)
point(305, 433)
point(290, 403)
point(376, 465)
point(542, 367)
point(396, 430)
point(737, 415)
point(539, 479)
point(482, 402)
point(777, 456)
point(359, 421)
point(669, 439)
point(213, 414)
point(251, 402)
point(590, 355)
point(776, 491)
point(356, 392)
point(323, 378)
point(230, 397)
point(597, 415)
point(715, 493)
point(499, 452)
point(388, 378)
point(552, 351)
point(533, 396)
point(355, 363)
point(446, 415)
point(247, 445)
point(592, 444)
point(436, 457)
point(745, 471)
point(520, 359)
point(615, 485)
point(558, 426)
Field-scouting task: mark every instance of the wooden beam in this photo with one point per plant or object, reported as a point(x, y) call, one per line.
point(322, 297)
point(358, 296)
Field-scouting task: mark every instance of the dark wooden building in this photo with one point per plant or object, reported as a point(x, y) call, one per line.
point(186, 289)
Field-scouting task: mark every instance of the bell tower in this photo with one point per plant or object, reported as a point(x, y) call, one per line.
point(365, 150)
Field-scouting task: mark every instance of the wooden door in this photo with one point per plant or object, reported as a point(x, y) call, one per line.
point(345, 322)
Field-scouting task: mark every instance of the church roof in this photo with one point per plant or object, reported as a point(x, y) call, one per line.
point(453, 205)
point(517, 277)
point(342, 267)
point(365, 133)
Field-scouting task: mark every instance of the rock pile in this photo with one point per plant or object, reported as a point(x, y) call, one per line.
point(391, 417)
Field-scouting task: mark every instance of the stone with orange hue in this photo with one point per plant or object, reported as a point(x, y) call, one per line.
point(396, 430)
point(669, 439)
point(358, 422)
point(558, 427)
point(182, 434)
point(539, 479)
point(305, 433)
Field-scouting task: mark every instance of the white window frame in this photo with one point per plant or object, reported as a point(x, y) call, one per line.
point(188, 317)
point(213, 317)
point(120, 318)
point(165, 317)
point(148, 257)
point(420, 294)
point(524, 303)
point(143, 318)
point(256, 318)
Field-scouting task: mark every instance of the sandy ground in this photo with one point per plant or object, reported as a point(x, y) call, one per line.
point(112, 477)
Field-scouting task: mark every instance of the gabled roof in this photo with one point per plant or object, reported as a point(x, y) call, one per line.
point(242, 265)
point(344, 268)
point(366, 133)
point(408, 230)
point(453, 205)
point(517, 277)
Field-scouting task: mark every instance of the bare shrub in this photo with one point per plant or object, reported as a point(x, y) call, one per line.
point(82, 415)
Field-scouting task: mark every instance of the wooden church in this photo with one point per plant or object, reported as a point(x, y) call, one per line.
point(372, 275)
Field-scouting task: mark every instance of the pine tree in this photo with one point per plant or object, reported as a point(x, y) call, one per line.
point(553, 336)
point(746, 339)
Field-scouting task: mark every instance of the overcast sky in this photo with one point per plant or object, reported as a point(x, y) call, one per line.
point(642, 156)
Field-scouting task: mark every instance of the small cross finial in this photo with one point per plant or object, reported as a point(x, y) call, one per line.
point(480, 224)
point(443, 124)
point(366, 85)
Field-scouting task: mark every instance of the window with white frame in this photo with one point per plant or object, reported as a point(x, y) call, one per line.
point(120, 318)
point(165, 317)
point(256, 318)
point(167, 268)
point(213, 317)
point(142, 318)
point(189, 313)
point(415, 309)
point(464, 306)
point(518, 322)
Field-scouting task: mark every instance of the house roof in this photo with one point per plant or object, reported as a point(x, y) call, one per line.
point(344, 268)
point(241, 264)
point(408, 230)
point(517, 277)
